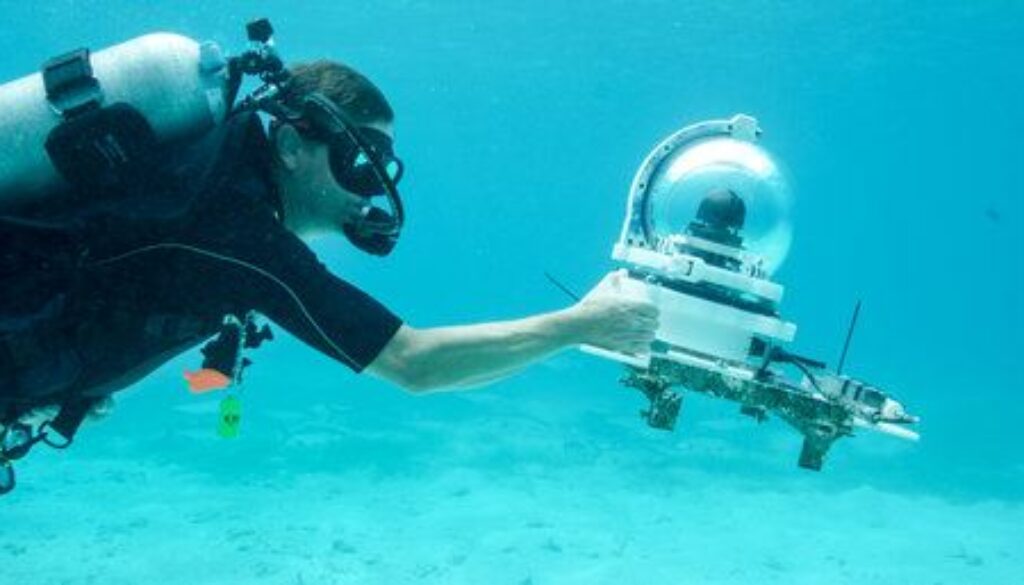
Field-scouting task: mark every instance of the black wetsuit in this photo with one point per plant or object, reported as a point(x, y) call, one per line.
point(156, 272)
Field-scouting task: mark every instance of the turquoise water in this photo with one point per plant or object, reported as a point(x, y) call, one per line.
point(522, 124)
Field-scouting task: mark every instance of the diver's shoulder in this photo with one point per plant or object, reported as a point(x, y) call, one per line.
point(228, 138)
point(237, 146)
point(230, 168)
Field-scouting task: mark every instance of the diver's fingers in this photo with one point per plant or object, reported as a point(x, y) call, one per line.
point(646, 321)
point(640, 307)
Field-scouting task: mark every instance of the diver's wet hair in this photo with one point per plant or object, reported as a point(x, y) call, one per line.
point(356, 95)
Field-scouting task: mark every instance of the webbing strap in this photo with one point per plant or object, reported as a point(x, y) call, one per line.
point(70, 85)
point(69, 418)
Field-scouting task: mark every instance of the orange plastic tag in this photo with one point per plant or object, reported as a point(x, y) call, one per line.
point(206, 380)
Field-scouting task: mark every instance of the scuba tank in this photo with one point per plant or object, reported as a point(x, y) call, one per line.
point(179, 87)
point(86, 123)
point(91, 120)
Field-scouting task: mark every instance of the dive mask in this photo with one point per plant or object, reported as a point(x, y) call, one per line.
point(363, 162)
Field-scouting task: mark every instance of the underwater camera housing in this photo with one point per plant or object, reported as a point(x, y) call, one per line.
point(706, 226)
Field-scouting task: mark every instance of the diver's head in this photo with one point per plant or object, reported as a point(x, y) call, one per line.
point(334, 157)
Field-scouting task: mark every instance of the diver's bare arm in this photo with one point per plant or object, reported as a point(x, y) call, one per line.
point(459, 357)
point(470, 355)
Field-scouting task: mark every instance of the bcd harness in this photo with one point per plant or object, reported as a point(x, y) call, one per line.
point(102, 149)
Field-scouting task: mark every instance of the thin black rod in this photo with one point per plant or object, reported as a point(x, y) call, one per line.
point(849, 336)
point(562, 287)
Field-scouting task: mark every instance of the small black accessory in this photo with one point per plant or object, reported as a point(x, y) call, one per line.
point(224, 353)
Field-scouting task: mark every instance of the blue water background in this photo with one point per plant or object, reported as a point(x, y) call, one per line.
point(522, 124)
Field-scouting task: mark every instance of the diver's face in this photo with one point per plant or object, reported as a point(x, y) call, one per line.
point(330, 206)
point(314, 201)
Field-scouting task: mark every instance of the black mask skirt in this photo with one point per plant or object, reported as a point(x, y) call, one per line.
point(363, 162)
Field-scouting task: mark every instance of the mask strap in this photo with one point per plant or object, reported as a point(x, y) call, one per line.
point(319, 102)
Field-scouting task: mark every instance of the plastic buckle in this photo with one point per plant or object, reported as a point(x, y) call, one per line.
point(8, 480)
point(70, 85)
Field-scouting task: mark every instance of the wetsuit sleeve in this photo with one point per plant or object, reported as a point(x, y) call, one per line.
point(285, 281)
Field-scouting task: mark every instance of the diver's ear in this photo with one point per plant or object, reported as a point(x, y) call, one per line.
point(288, 146)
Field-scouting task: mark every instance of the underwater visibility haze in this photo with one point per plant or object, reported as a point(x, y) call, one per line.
point(896, 126)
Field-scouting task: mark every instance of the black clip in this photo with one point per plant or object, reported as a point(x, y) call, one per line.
point(259, 30)
point(224, 353)
point(70, 85)
point(8, 480)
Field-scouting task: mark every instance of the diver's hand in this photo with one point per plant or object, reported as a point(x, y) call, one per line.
point(609, 318)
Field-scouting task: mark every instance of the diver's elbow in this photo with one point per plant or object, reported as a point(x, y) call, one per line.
point(409, 361)
point(419, 379)
point(412, 381)
point(419, 374)
point(406, 371)
point(396, 361)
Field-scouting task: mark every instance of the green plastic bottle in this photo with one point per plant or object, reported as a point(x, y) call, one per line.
point(230, 417)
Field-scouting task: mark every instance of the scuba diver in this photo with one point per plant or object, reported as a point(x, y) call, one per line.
point(189, 239)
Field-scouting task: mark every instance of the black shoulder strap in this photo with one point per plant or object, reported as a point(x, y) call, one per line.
point(97, 148)
point(104, 149)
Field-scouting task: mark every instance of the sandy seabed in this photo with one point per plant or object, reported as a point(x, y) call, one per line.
point(466, 507)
